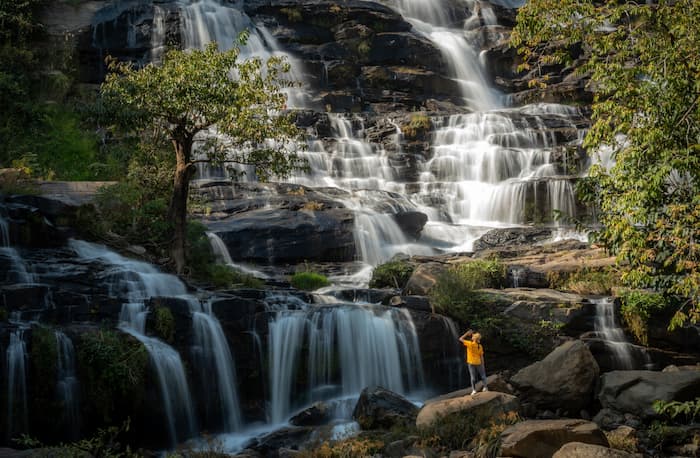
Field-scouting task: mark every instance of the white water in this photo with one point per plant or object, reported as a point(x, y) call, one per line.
point(607, 328)
point(16, 360)
point(214, 357)
point(67, 383)
point(17, 273)
point(350, 347)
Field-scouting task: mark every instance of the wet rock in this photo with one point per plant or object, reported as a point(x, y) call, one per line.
point(419, 303)
point(411, 223)
point(285, 438)
point(542, 438)
point(483, 404)
point(379, 408)
point(636, 391)
point(318, 413)
point(564, 379)
point(512, 236)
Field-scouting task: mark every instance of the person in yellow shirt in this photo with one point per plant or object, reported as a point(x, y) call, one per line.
point(475, 358)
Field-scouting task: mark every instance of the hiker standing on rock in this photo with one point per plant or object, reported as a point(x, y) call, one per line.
point(475, 358)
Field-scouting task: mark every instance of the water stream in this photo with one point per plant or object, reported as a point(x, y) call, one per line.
point(624, 355)
point(16, 362)
point(67, 384)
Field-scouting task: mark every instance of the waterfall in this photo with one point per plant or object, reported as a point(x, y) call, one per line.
point(17, 273)
point(213, 356)
point(16, 359)
point(606, 327)
point(138, 281)
point(67, 383)
point(349, 346)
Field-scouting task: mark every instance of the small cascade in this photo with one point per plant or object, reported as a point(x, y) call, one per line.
point(17, 269)
point(218, 247)
point(16, 363)
point(213, 356)
point(349, 346)
point(67, 384)
point(138, 281)
point(625, 356)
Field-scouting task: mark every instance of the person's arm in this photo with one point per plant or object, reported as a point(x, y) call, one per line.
point(464, 336)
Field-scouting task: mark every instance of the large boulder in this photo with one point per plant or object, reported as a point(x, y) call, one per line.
point(485, 404)
point(636, 391)
point(379, 408)
point(542, 438)
point(564, 379)
point(424, 278)
point(582, 450)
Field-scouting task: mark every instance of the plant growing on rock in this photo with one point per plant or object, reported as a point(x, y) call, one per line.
point(308, 281)
point(459, 283)
point(392, 274)
point(193, 91)
point(644, 69)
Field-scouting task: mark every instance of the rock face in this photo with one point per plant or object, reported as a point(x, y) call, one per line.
point(380, 408)
point(635, 391)
point(582, 450)
point(564, 379)
point(542, 438)
point(485, 404)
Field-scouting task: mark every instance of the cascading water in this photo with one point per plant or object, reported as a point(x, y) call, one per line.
point(17, 271)
point(350, 347)
point(625, 356)
point(17, 411)
point(213, 355)
point(67, 383)
point(138, 281)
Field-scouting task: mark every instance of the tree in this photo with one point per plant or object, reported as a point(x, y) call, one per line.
point(192, 92)
point(644, 68)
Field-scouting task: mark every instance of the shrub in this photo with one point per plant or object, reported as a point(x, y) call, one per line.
point(112, 369)
point(308, 281)
point(452, 432)
point(686, 411)
point(458, 283)
point(486, 443)
point(418, 126)
point(588, 281)
point(223, 276)
point(393, 274)
point(346, 448)
point(164, 323)
point(637, 307)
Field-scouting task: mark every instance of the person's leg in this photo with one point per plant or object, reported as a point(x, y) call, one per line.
point(482, 372)
point(472, 376)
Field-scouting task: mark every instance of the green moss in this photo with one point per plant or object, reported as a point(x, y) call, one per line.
point(459, 283)
point(586, 281)
point(308, 281)
point(393, 274)
point(293, 14)
point(222, 276)
point(164, 323)
point(112, 369)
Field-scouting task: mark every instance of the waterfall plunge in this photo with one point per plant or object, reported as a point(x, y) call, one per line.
point(67, 383)
point(16, 358)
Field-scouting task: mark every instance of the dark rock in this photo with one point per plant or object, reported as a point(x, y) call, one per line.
point(542, 438)
point(419, 303)
point(318, 414)
point(290, 437)
point(563, 379)
point(636, 391)
point(379, 408)
point(512, 236)
point(411, 223)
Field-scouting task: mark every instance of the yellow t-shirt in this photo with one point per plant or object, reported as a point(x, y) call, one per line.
point(474, 352)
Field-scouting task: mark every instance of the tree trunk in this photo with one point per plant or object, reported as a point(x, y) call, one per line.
point(177, 213)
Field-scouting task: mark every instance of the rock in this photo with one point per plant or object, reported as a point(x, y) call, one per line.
point(512, 236)
point(564, 379)
point(582, 450)
point(424, 277)
point(420, 303)
point(290, 437)
point(379, 408)
point(673, 368)
point(411, 223)
point(495, 382)
point(484, 404)
point(318, 413)
point(636, 391)
point(542, 438)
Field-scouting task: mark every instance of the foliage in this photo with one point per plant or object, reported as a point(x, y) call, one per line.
point(587, 281)
point(43, 359)
point(193, 91)
point(486, 443)
point(223, 276)
point(688, 411)
point(104, 444)
point(661, 434)
point(418, 126)
point(452, 432)
point(637, 307)
point(308, 281)
point(112, 369)
point(346, 448)
point(164, 323)
point(459, 282)
point(392, 274)
point(644, 66)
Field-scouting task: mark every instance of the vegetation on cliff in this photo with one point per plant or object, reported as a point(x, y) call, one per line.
point(191, 92)
point(645, 69)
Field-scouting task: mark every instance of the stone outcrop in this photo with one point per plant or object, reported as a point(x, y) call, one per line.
point(636, 391)
point(542, 438)
point(379, 408)
point(482, 405)
point(583, 450)
point(564, 379)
